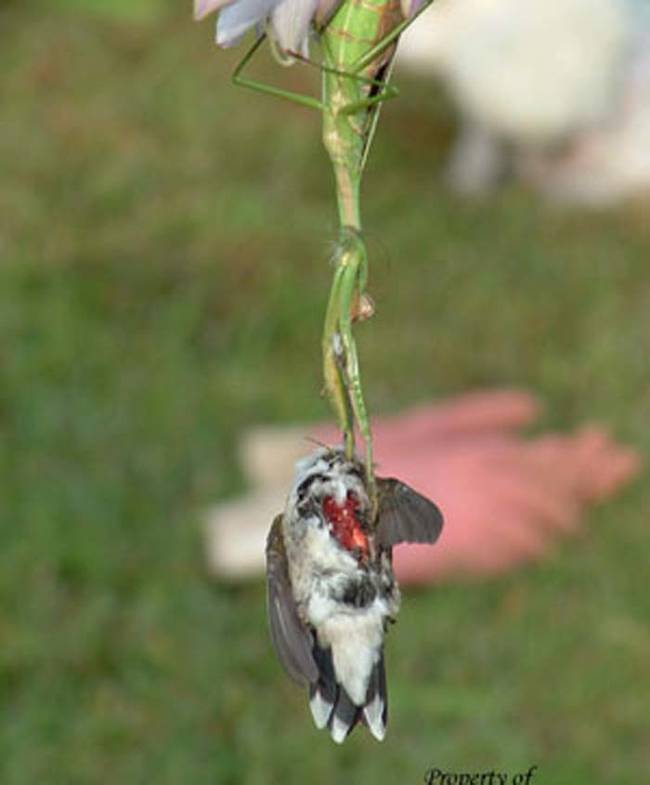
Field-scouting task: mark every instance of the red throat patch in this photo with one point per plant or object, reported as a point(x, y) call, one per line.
point(345, 524)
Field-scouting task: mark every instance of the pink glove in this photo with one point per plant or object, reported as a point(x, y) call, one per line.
point(505, 499)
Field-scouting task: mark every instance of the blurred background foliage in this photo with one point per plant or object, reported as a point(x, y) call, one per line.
point(118, 10)
point(163, 271)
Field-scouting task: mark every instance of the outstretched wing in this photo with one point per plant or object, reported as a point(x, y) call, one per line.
point(404, 515)
point(291, 639)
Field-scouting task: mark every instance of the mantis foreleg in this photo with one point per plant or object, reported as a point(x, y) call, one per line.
point(341, 364)
point(349, 287)
point(333, 369)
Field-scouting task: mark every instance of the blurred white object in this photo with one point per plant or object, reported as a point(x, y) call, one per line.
point(609, 163)
point(531, 69)
point(557, 91)
point(236, 531)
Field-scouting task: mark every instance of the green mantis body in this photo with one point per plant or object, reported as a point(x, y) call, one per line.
point(358, 45)
point(353, 89)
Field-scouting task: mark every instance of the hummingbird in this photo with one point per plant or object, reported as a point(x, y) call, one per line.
point(331, 592)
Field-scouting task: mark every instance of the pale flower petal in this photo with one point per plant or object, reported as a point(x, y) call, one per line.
point(203, 8)
point(236, 19)
point(290, 21)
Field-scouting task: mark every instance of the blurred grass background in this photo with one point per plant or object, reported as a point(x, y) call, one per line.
point(163, 270)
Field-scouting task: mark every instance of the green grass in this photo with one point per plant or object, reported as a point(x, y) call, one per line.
point(163, 271)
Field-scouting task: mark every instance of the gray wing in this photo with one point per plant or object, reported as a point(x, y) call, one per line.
point(291, 639)
point(404, 515)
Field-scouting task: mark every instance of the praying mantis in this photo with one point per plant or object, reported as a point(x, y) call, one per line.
point(357, 44)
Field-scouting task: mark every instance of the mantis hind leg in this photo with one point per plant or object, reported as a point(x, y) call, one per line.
point(241, 81)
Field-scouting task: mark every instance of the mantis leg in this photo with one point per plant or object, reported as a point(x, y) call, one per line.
point(260, 87)
point(388, 92)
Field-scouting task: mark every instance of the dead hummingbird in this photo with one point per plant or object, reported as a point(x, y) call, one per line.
point(331, 591)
